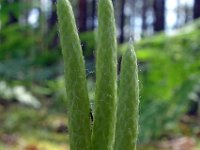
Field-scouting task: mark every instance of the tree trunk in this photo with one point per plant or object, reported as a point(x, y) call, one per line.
point(159, 15)
point(52, 20)
point(53, 17)
point(178, 14)
point(196, 9)
point(82, 15)
point(122, 20)
point(186, 9)
point(93, 13)
point(144, 17)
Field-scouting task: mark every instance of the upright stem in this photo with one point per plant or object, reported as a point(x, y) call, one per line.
point(75, 78)
point(128, 104)
point(106, 79)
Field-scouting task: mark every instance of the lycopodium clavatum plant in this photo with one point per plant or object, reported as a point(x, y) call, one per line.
point(116, 107)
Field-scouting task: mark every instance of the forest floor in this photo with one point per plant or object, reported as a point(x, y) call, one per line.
point(25, 128)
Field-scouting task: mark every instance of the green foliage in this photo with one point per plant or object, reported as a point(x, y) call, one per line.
point(19, 118)
point(169, 75)
point(28, 71)
point(20, 40)
point(168, 70)
point(57, 88)
point(88, 43)
point(13, 45)
point(23, 127)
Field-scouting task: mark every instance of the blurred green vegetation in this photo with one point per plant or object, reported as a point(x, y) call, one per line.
point(169, 78)
point(169, 70)
point(27, 128)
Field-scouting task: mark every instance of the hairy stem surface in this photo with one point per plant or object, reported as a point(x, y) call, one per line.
point(106, 79)
point(128, 104)
point(75, 78)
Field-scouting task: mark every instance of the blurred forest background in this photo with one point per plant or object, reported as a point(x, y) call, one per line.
point(33, 114)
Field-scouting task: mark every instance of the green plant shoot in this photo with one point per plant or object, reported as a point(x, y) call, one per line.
point(106, 79)
point(75, 78)
point(128, 103)
point(107, 134)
